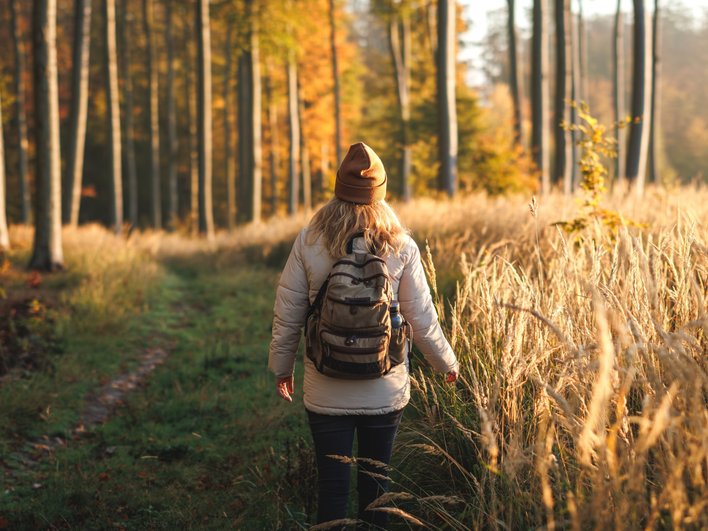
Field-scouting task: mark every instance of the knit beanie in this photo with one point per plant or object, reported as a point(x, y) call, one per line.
point(361, 178)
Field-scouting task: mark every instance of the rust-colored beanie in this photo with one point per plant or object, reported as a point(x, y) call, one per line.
point(361, 178)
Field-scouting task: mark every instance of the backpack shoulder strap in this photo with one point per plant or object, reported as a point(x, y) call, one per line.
point(350, 245)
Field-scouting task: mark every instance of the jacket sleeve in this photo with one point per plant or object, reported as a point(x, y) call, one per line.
point(417, 307)
point(291, 304)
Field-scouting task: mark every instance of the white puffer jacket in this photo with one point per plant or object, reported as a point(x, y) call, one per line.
point(305, 271)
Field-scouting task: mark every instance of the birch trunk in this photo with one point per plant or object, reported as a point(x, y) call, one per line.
point(47, 251)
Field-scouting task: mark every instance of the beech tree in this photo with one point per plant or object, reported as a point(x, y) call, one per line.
point(640, 128)
point(563, 157)
point(335, 80)
point(79, 108)
point(399, 33)
point(446, 61)
point(129, 132)
point(539, 93)
point(20, 113)
point(294, 123)
point(514, 84)
point(113, 114)
point(204, 120)
point(47, 253)
point(619, 88)
point(654, 146)
point(229, 161)
point(172, 139)
point(154, 116)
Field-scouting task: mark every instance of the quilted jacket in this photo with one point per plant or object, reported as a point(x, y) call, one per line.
point(306, 269)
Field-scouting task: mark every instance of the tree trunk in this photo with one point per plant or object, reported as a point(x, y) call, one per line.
point(250, 148)
point(447, 136)
point(654, 144)
point(154, 116)
point(274, 146)
point(305, 159)
point(584, 92)
point(229, 161)
point(172, 140)
point(619, 90)
point(400, 41)
point(191, 96)
point(47, 251)
point(4, 235)
point(79, 108)
point(514, 85)
point(113, 114)
point(324, 168)
point(129, 136)
point(539, 93)
point(21, 117)
point(335, 80)
point(575, 95)
point(206, 211)
point(641, 98)
point(563, 155)
point(294, 122)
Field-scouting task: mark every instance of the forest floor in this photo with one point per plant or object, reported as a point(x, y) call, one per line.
point(195, 439)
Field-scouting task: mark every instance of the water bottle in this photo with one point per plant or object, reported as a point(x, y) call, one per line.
point(396, 317)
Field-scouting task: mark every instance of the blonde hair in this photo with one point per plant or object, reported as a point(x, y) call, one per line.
point(339, 221)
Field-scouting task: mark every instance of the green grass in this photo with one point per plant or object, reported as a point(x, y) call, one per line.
point(205, 444)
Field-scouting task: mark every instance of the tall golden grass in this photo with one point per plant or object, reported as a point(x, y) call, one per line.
point(583, 397)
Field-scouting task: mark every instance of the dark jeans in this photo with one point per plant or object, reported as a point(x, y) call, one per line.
point(334, 435)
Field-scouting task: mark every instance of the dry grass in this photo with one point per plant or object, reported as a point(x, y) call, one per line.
point(582, 399)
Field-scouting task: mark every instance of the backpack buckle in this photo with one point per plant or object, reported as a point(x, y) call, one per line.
point(350, 341)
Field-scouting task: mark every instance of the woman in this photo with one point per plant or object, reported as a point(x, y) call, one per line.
point(338, 408)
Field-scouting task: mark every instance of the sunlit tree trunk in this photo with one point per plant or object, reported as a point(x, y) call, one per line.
point(654, 144)
point(400, 41)
point(172, 139)
point(446, 60)
point(335, 80)
point(563, 155)
point(637, 149)
point(619, 89)
point(21, 117)
point(191, 96)
point(47, 251)
point(294, 123)
point(229, 161)
point(129, 136)
point(514, 85)
point(540, 93)
point(4, 235)
point(206, 211)
point(584, 93)
point(154, 116)
point(113, 114)
point(575, 95)
point(79, 108)
point(324, 167)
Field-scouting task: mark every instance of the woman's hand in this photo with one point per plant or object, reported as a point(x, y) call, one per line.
point(451, 377)
point(285, 387)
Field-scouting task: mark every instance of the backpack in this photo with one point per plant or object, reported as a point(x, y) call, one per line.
point(348, 332)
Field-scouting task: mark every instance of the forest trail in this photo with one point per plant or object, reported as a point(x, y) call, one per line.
point(196, 443)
